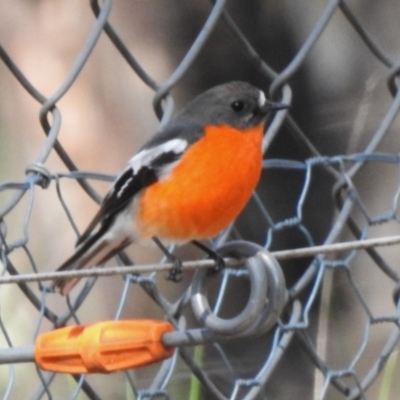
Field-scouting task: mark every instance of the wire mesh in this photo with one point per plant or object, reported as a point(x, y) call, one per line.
point(335, 331)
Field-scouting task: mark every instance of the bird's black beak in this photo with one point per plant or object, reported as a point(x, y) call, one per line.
point(268, 108)
point(273, 107)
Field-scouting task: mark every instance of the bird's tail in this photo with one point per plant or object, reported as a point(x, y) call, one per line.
point(96, 250)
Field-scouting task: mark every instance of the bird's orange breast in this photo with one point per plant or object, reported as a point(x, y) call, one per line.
point(206, 190)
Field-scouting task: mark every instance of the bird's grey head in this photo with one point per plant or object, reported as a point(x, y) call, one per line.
point(237, 104)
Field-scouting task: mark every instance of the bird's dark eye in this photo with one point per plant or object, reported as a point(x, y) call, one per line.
point(237, 106)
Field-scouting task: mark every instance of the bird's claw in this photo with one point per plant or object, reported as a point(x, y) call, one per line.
point(176, 272)
point(219, 265)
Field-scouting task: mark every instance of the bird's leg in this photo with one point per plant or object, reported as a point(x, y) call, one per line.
point(219, 261)
point(175, 273)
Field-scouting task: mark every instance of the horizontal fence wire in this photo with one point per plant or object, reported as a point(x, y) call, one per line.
point(311, 307)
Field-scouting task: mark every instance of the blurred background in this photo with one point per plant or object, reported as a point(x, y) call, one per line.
point(340, 100)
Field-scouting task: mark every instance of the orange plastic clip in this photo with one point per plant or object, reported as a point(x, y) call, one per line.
point(103, 347)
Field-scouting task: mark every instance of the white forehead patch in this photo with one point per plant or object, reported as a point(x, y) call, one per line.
point(261, 98)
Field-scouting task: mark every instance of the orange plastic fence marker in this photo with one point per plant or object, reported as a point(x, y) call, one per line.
point(103, 347)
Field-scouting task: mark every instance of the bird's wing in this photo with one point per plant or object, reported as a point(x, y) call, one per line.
point(153, 162)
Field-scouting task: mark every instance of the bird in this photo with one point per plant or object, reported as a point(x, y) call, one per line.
point(187, 183)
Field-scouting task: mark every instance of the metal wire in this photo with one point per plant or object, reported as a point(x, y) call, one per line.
point(292, 305)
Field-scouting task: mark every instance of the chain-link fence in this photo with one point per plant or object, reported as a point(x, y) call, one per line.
point(317, 319)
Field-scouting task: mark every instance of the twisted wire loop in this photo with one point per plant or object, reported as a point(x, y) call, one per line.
point(306, 271)
point(266, 299)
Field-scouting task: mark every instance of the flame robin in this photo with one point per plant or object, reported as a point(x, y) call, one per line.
point(187, 183)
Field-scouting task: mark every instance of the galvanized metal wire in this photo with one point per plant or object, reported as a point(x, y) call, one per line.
point(328, 327)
